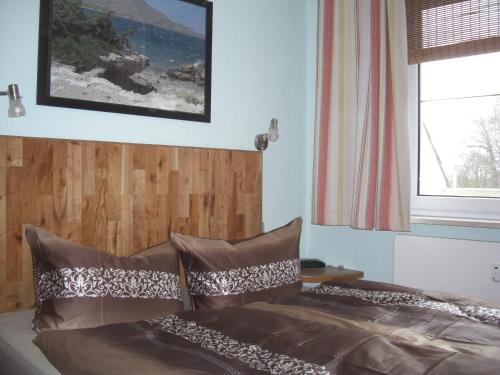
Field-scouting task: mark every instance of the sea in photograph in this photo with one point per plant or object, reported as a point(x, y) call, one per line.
point(165, 48)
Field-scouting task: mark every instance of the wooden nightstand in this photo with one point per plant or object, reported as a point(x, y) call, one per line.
point(319, 275)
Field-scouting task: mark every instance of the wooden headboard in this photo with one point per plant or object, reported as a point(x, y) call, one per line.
point(118, 198)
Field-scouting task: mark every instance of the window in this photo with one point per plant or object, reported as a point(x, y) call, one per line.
point(456, 169)
point(454, 107)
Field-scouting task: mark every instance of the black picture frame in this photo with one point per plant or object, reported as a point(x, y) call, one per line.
point(46, 81)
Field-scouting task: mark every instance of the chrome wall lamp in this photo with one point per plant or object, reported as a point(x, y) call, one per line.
point(262, 140)
point(16, 108)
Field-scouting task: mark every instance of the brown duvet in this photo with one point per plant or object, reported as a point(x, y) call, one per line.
point(337, 328)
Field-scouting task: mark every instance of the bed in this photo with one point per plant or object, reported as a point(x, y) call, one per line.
point(250, 314)
point(351, 327)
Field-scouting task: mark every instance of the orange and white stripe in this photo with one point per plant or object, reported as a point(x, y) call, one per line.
point(361, 166)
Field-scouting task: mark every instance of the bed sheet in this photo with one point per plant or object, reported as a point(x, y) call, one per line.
point(18, 354)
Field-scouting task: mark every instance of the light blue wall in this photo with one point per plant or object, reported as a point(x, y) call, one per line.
point(263, 66)
point(369, 251)
point(258, 73)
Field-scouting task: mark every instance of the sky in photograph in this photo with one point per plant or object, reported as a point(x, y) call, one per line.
point(182, 12)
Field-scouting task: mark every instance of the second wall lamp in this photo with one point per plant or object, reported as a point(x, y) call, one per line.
point(262, 140)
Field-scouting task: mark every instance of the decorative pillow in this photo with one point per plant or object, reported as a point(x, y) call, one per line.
point(232, 273)
point(77, 286)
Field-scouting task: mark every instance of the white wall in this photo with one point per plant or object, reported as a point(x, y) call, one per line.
point(259, 72)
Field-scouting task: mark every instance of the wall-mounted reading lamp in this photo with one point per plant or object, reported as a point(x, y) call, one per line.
point(16, 108)
point(261, 140)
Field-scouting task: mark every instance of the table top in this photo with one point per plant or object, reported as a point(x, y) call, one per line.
point(319, 275)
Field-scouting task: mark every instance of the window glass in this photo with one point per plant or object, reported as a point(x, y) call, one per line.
point(459, 134)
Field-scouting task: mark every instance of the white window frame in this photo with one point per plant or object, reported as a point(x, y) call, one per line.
point(439, 207)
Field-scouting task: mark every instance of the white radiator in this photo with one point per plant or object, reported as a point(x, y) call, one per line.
point(448, 265)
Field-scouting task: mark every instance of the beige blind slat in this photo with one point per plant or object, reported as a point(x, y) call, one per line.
point(443, 29)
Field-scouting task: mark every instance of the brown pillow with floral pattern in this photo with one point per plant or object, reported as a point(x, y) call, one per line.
point(232, 273)
point(77, 286)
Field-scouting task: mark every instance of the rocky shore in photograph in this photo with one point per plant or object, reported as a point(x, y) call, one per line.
point(192, 72)
point(129, 80)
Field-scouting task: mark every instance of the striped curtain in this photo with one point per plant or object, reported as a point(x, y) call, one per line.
point(361, 166)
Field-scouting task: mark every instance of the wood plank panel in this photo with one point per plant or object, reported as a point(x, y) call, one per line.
point(119, 198)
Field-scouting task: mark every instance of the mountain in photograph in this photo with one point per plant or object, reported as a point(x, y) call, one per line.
point(138, 10)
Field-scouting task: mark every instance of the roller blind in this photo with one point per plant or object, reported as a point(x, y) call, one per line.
point(443, 29)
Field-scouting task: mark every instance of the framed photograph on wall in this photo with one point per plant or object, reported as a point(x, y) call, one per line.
point(140, 57)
